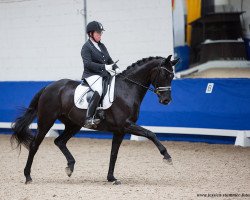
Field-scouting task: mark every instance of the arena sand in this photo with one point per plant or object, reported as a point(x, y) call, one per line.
point(199, 169)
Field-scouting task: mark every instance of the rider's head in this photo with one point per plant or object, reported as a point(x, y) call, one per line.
point(94, 30)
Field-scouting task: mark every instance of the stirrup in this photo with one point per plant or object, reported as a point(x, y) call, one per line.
point(92, 123)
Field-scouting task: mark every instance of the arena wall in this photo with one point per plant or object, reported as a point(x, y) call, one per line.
point(41, 42)
point(197, 103)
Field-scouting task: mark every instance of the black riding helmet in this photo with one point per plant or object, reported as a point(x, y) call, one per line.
point(94, 26)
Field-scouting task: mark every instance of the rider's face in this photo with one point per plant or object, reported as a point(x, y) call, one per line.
point(97, 36)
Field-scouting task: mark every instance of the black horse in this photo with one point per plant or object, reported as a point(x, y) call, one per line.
point(56, 101)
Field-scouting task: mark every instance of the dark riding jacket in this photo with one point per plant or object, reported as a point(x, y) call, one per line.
point(94, 60)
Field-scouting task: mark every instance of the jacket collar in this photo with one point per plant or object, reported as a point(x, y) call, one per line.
point(93, 46)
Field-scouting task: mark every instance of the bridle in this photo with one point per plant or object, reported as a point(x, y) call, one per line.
point(156, 90)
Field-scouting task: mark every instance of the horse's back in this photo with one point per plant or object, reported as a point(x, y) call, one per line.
point(63, 83)
point(59, 93)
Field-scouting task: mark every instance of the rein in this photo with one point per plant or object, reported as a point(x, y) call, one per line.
point(156, 90)
point(135, 82)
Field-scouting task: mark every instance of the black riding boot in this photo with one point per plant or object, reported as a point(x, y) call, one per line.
point(90, 121)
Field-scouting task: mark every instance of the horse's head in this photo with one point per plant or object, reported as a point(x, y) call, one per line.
point(161, 79)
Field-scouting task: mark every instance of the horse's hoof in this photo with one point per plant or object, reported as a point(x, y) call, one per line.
point(116, 182)
point(111, 178)
point(68, 171)
point(168, 161)
point(28, 181)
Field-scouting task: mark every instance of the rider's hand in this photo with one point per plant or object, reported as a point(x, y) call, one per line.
point(108, 67)
point(118, 71)
point(112, 72)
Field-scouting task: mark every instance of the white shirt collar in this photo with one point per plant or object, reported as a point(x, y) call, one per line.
point(95, 44)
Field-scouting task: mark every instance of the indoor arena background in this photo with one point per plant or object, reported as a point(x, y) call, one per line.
point(206, 127)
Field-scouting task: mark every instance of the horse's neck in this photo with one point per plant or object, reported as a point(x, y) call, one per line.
point(141, 75)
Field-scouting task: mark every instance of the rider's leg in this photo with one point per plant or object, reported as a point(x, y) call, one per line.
point(90, 121)
point(95, 82)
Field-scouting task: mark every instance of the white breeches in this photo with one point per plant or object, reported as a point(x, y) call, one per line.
point(95, 83)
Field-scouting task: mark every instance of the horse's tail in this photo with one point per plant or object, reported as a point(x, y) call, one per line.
point(22, 134)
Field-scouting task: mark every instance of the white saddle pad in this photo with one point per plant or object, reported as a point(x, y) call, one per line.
point(82, 94)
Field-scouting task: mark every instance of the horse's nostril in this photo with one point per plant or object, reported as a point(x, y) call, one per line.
point(166, 100)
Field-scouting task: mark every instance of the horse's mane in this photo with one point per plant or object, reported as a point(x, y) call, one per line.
point(139, 63)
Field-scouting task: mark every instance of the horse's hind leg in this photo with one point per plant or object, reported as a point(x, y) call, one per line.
point(43, 128)
point(61, 141)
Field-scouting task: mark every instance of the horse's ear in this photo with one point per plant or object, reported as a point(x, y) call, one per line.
point(174, 62)
point(168, 58)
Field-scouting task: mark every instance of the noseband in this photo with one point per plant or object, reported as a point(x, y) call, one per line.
point(156, 90)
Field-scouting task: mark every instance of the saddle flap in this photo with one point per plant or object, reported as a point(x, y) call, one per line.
point(83, 94)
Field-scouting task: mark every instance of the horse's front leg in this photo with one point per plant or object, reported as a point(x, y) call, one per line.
point(116, 142)
point(140, 131)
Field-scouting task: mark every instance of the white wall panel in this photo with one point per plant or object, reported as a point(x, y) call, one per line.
point(42, 39)
point(134, 28)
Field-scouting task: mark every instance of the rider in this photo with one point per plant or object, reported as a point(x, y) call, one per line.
point(97, 65)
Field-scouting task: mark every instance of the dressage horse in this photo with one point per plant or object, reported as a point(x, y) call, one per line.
point(56, 100)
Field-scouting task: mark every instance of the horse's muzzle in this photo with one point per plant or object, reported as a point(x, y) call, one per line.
point(165, 101)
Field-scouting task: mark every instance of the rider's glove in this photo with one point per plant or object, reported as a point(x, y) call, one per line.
point(109, 67)
point(118, 71)
point(112, 72)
